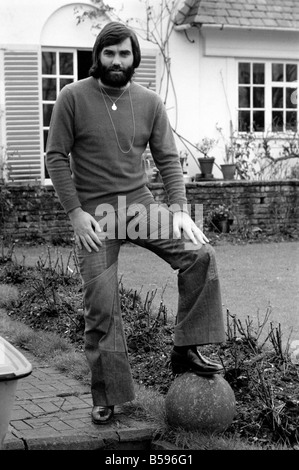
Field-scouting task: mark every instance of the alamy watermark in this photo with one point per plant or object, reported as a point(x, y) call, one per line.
point(138, 221)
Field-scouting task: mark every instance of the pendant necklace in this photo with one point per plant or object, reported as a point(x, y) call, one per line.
point(113, 107)
point(112, 123)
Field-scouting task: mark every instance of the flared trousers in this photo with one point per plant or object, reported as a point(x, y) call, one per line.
point(199, 317)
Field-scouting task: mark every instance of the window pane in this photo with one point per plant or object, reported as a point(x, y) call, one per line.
point(291, 121)
point(258, 121)
point(49, 89)
point(291, 102)
point(66, 63)
point(277, 121)
point(258, 73)
point(244, 121)
point(49, 63)
point(258, 97)
point(244, 73)
point(46, 132)
point(277, 97)
point(244, 97)
point(47, 112)
point(294, 97)
point(65, 81)
point(277, 72)
point(291, 72)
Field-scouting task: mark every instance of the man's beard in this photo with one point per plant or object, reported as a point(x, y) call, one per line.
point(117, 80)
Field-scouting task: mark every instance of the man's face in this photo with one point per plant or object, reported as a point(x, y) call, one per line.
point(116, 64)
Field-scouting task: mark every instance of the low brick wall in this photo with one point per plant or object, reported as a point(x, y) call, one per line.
point(33, 213)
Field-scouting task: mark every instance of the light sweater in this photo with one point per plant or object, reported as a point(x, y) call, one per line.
point(83, 157)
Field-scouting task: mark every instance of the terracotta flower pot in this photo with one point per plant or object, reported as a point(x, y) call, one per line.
point(206, 165)
point(221, 225)
point(228, 171)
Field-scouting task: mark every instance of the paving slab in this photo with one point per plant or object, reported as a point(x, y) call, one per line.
point(52, 412)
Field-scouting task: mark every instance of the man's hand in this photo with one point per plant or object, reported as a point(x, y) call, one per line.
point(86, 229)
point(182, 223)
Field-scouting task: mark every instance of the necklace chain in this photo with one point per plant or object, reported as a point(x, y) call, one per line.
point(111, 120)
point(113, 107)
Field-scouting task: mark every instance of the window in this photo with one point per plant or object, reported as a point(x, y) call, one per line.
point(57, 71)
point(266, 96)
point(284, 107)
point(59, 68)
point(251, 97)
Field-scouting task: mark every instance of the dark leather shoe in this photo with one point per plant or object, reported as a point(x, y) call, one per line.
point(102, 414)
point(192, 360)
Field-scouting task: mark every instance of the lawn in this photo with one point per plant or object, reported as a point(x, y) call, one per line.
point(252, 277)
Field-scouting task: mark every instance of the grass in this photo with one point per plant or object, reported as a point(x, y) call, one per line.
point(42, 344)
point(8, 294)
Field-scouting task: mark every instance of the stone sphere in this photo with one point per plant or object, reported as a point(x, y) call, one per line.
point(205, 404)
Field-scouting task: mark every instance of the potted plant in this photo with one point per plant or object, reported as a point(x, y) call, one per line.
point(206, 162)
point(183, 154)
point(228, 167)
point(221, 218)
point(184, 164)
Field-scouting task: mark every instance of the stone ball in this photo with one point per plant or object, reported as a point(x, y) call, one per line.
point(204, 404)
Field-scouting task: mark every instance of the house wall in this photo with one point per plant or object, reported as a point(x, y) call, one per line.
point(203, 61)
point(34, 214)
point(26, 28)
point(205, 69)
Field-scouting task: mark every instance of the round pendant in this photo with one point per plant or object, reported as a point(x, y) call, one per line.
point(114, 107)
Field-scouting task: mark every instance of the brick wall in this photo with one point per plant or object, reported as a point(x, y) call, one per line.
point(33, 213)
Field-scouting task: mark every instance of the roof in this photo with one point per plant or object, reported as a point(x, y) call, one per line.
point(254, 14)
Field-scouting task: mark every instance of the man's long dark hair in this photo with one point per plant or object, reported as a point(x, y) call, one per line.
point(113, 33)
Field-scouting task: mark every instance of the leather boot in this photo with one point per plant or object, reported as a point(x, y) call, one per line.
point(190, 359)
point(102, 414)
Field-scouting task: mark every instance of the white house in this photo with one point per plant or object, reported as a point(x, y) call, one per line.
point(244, 65)
point(234, 64)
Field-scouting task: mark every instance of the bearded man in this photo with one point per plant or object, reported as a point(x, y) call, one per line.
point(99, 131)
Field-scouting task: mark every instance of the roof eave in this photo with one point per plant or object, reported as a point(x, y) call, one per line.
point(185, 26)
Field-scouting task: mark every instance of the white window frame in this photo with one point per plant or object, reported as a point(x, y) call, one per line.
point(268, 95)
point(57, 76)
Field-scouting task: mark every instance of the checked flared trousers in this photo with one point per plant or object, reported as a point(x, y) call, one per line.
point(199, 316)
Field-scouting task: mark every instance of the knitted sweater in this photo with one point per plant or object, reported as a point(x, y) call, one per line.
point(83, 155)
